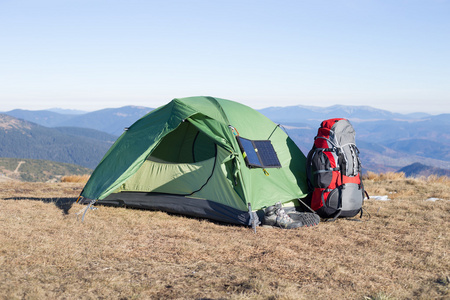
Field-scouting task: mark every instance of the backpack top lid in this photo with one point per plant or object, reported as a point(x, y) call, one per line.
point(343, 132)
point(339, 131)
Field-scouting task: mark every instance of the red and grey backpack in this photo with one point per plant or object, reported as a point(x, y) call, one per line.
point(334, 171)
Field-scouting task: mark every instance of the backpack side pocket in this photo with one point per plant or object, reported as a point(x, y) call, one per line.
point(321, 167)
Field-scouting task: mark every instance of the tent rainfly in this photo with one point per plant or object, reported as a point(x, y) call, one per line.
point(203, 157)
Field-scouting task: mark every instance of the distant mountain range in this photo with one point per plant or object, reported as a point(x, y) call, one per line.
point(387, 141)
point(314, 114)
point(109, 120)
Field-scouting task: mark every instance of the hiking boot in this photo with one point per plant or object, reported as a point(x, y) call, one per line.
point(286, 222)
point(276, 216)
point(307, 218)
point(270, 216)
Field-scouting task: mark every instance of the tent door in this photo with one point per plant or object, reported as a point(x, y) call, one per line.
point(181, 164)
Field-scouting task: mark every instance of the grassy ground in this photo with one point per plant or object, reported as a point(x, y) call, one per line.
point(401, 252)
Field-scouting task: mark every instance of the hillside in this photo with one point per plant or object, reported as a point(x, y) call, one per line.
point(400, 252)
point(418, 169)
point(36, 170)
point(23, 139)
point(385, 159)
point(422, 147)
point(88, 133)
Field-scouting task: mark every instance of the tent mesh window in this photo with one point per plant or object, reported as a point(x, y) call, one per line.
point(186, 144)
point(258, 153)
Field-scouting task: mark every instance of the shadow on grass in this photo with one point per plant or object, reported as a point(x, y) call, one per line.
point(65, 204)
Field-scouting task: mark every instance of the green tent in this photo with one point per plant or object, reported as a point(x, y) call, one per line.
point(203, 157)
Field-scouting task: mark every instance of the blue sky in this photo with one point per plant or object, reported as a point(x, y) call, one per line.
point(92, 54)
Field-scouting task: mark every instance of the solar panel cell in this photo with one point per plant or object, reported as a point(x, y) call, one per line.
point(249, 149)
point(259, 154)
point(267, 154)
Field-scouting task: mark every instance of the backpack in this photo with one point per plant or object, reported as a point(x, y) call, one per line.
point(334, 171)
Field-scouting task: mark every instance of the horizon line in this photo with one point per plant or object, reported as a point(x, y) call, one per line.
point(81, 111)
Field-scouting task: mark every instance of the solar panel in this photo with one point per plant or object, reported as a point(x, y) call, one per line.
point(258, 153)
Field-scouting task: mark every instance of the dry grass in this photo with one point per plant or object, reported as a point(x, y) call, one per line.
point(384, 176)
point(76, 178)
point(400, 253)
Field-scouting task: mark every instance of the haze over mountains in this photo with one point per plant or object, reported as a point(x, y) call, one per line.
point(387, 141)
point(109, 120)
